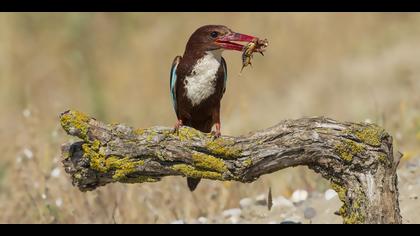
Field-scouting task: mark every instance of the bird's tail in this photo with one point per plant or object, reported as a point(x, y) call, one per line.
point(206, 128)
point(192, 183)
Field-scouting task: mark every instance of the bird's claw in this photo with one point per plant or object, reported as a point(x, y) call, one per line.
point(177, 126)
point(215, 134)
point(175, 130)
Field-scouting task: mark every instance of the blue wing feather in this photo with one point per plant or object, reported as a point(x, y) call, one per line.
point(173, 81)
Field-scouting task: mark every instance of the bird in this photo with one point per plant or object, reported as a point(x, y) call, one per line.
point(198, 80)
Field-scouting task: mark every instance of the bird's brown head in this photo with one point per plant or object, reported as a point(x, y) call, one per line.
point(214, 37)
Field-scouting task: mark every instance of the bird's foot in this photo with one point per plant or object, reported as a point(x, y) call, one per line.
point(177, 126)
point(216, 134)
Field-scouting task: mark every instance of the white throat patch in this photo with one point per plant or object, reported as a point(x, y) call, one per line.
point(202, 81)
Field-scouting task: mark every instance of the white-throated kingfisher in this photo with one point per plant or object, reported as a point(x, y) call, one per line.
point(198, 79)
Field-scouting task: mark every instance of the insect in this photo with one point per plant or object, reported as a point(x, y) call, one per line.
point(257, 45)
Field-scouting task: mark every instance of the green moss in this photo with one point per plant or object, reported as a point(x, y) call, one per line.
point(190, 171)
point(209, 162)
point(223, 148)
point(371, 135)
point(348, 148)
point(75, 120)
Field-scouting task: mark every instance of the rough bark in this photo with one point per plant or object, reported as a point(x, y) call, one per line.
point(356, 158)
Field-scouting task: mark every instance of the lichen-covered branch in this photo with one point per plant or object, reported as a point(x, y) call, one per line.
point(357, 159)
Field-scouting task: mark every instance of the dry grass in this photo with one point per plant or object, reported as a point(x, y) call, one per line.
point(116, 67)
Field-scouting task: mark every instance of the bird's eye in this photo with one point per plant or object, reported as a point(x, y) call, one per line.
point(214, 34)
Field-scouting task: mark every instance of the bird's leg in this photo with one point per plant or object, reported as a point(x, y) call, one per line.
point(177, 125)
point(217, 133)
point(216, 119)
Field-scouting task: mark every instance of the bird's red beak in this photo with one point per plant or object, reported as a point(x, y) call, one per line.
point(226, 41)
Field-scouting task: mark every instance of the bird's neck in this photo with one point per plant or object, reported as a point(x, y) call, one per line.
point(196, 53)
point(208, 64)
point(216, 54)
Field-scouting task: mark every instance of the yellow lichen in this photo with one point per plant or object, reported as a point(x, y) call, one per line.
point(355, 214)
point(340, 190)
point(247, 162)
point(185, 134)
point(139, 179)
point(371, 135)
point(190, 171)
point(348, 148)
point(124, 168)
point(352, 213)
point(208, 162)
point(224, 148)
point(139, 131)
point(99, 162)
point(383, 158)
point(71, 120)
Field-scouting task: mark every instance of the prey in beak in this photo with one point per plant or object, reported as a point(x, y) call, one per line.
point(228, 41)
point(253, 44)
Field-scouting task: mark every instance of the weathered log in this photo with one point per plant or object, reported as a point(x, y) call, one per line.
point(356, 158)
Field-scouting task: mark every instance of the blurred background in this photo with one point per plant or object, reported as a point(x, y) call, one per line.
point(115, 67)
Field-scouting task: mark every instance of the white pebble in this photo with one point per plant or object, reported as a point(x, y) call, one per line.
point(282, 202)
point(299, 196)
point(287, 221)
point(59, 202)
point(55, 173)
point(178, 222)
point(54, 134)
point(26, 113)
point(28, 153)
point(234, 219)
point(330, 194)
point(245, 202)
point(398, 136)
point(43, 196)
point(261, 199)
point(232, 212)
point(202, 220)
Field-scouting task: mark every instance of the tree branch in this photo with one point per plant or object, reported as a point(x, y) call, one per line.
point(356, 158)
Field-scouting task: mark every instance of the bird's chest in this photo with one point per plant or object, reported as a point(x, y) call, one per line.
point(202, 81)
